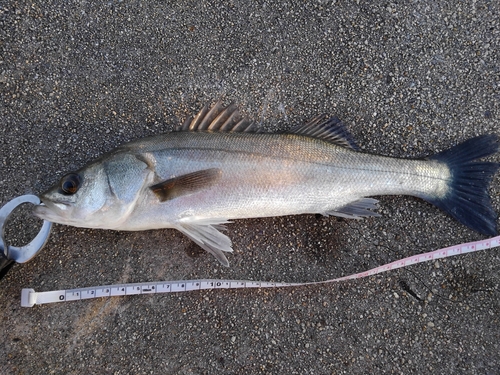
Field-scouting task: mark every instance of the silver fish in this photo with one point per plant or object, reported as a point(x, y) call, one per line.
point(217, 167)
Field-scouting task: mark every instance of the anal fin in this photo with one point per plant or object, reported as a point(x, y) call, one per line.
point(357, 209)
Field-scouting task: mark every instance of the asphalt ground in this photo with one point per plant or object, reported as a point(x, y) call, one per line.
point(409, 79)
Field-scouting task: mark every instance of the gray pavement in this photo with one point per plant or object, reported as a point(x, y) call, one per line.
point(408, 78)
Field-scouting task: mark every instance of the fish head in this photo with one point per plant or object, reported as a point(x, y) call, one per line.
point(100, 195)
point(80, 198)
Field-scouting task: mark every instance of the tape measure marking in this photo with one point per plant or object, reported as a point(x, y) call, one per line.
point(29, 297)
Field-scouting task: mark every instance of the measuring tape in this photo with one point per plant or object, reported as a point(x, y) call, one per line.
point(29, 297)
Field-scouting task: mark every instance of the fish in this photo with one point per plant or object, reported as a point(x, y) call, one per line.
point(218, 167)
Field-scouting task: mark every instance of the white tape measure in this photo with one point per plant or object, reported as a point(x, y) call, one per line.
point(30, 298)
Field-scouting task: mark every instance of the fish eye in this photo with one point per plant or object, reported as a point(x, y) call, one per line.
point(70, 183)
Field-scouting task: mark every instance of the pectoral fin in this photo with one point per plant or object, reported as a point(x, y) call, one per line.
point(186, 184)
point(208, 237)
point(356, 210)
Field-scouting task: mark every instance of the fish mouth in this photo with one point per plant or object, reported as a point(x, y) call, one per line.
point(50, 210)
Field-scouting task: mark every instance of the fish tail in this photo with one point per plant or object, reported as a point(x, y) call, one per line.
point(467, 198)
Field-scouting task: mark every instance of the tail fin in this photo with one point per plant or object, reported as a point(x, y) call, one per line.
point(468, 200)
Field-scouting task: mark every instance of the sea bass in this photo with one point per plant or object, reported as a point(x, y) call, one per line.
point(217, 167)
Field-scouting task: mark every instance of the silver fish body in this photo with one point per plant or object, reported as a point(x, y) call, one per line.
point(263, 175)
point(200, 178)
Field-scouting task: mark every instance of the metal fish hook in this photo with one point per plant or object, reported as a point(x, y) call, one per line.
point(11, 254)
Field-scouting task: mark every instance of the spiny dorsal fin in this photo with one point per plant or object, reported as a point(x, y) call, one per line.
point(186, 184)
point(218, 118)
point(328, 129)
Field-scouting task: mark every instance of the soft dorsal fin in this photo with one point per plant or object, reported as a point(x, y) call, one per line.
point(328, 129)
point(218, 118)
